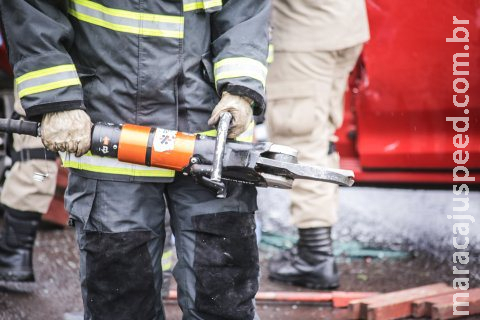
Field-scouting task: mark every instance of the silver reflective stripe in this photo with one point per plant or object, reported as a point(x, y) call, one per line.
point(240, 67)
point(127, 21)
point(46, 79)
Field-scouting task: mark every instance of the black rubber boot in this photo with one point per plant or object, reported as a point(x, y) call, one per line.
point(310, 264)
point(16, 245)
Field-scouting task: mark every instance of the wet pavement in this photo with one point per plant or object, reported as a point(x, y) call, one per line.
point(412, 220)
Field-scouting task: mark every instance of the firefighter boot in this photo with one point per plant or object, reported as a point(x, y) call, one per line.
point(16, 245)
point(310, 264)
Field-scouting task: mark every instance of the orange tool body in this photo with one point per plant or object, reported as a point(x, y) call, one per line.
point(155, 147)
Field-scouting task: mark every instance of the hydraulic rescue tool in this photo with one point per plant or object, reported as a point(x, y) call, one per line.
point(210, 160)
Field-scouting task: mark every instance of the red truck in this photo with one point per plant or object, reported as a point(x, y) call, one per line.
point(402, 93)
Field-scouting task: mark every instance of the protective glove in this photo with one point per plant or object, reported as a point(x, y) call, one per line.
point(241, 110)
point(68, 131)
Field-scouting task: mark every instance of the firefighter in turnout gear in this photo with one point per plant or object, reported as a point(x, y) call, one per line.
point(164, 64)
point(317, 43)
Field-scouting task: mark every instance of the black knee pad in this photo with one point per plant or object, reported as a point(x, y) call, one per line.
point(226, 265)
point(119, 275)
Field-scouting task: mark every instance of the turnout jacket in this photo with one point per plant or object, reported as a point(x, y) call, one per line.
point(161, 63)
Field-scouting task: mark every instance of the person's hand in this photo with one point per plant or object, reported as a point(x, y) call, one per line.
point(241, 110)
point(68, 131)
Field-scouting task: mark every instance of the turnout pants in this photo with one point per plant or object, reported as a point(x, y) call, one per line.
point(306, 91)
point(120, 233)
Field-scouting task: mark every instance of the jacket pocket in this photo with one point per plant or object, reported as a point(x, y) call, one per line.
point(79, 197)
point(291, 109)
point(86, 75)
point(85, 72)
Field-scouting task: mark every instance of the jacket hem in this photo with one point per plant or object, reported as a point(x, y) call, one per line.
point(118, 177)
point(41, 109)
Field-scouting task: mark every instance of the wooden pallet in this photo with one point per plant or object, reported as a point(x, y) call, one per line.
point(435, 301)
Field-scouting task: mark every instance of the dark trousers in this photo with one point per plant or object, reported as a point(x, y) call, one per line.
point(120, 233)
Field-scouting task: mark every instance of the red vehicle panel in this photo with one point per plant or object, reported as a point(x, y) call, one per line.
point(4, 64)
point(406, 92)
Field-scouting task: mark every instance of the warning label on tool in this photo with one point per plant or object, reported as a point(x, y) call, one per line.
point(164, 140)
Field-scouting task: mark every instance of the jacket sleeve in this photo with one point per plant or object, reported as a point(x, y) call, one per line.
point(240, 49)
point(38, 34)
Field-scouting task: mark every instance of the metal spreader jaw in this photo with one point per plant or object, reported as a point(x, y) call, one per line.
point(262, 164)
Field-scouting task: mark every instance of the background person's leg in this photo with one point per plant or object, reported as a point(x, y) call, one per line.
point(24, 200)
point(298, 116)
point(305, 117)
point(16, 245)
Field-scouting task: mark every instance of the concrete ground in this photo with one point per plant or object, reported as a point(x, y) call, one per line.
point(406, 219)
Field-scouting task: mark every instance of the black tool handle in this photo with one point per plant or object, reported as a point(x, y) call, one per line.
point(20, 127)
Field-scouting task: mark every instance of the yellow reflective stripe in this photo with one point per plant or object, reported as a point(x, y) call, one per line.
point(246, 136)
point(129, 14)
point(244, 139)
point(167, 265)
point(167, 260)
point(127, 29)
point(120, 171)
point(201, 5)
point(49, 86)
point(167, 254)
point(45, 72)
point(271, 53)
point(86, 162)
point(209, 133)
point(192, 6)
point(146, 24)
point(212, 3)
point(240, 67)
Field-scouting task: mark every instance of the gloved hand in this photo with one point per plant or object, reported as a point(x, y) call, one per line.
point(239, 107)
point(68, 131)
